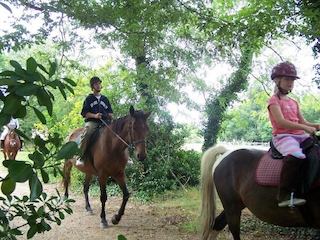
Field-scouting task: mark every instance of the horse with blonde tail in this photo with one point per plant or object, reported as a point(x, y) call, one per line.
point(234, 177)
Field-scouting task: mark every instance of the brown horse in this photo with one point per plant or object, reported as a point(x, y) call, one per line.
point(110, 156)
point(233, 178)
point(12, 145)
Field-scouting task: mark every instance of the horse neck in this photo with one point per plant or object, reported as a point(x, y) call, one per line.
point(11, 134)
point(120, 131)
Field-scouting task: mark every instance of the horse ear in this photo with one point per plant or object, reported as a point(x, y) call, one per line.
point(132, 111)
point(147, 114)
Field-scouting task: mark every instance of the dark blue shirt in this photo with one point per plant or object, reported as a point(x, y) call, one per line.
point(94, 105)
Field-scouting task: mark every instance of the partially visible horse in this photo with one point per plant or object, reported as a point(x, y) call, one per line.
point(12, 145)
point(233, 178)
point(109, 156)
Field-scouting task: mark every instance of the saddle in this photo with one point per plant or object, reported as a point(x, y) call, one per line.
point(270, 165)
point(94, 137)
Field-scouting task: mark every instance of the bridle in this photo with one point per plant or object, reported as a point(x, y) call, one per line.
point(133, 142)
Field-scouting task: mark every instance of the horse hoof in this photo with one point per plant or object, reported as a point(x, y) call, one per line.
point(114, 220)
point(104, 225)
point(90, 212)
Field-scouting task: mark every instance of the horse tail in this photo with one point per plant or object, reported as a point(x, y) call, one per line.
point(208, 192)
point(67, 167)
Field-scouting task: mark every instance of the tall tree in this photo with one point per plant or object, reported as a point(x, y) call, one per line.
point(166, 41)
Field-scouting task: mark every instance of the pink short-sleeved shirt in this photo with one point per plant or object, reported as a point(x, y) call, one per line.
point(289, 108)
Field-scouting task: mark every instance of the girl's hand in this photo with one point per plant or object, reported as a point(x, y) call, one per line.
point(311, 130)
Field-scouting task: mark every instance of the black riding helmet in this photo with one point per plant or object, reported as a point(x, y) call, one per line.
point(94, 80)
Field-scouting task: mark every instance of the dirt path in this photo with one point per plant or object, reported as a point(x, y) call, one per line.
point(139, 222)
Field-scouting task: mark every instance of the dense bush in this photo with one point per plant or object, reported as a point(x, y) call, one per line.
point(161, 172)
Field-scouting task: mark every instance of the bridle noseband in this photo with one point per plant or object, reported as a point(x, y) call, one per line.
point(133, 142)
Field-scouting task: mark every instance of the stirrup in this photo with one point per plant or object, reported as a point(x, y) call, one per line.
point(292, 202)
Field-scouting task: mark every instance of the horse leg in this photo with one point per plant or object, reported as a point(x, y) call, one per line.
point(103, 200)
point(233, 215)
point(125, 197)
point(220, 222)
point(14, 155)
point(86, 187)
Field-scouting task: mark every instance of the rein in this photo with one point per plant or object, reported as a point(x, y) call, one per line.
point(132, 141)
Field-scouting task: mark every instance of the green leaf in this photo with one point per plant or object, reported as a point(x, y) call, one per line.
point(70, 89)
point(12, 103)
point(68, 151)
point(45, 176)
point(8, 186)
point(18, 69)
point(35, 187)
point(40, 116)
point(19, 171)
point(70, 81)
point(61, 215)
point(6, 6)
point(4, 118)
point(58, 221)
point(15, 64)
point(21, 112)
point(44, 100)
point(121, 237)
point(43, 68)
point(32, 231)
point(63, 93)
point(53, 68)
point(39, 77)
point(27, 89)
point(31, 65)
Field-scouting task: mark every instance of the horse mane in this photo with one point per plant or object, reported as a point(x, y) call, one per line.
point(118, 124)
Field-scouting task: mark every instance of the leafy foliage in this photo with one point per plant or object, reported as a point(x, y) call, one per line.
point(37, 213)
point(22, 84)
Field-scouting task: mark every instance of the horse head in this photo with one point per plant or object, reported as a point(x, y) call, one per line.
point(138, 130)
point(12, 139)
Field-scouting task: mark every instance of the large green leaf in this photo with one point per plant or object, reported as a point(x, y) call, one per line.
point(44, 100)
point(8, 185)
point(31, 65)
point(68, 150)
point(40, 116)
point(32, 231)
point(27, 89)
point(21, 112)
point(12, 103)
point(4, 118)
point(37, 158)
point(18, 69)
point(19, 171)
point(35, 187)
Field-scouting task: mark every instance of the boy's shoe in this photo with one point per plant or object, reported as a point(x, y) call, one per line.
point(79, 162)
point(129, 161)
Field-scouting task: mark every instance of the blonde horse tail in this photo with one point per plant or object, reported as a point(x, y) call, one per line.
point(208, 204)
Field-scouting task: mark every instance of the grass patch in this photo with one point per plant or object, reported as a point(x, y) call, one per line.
point(181, 208)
